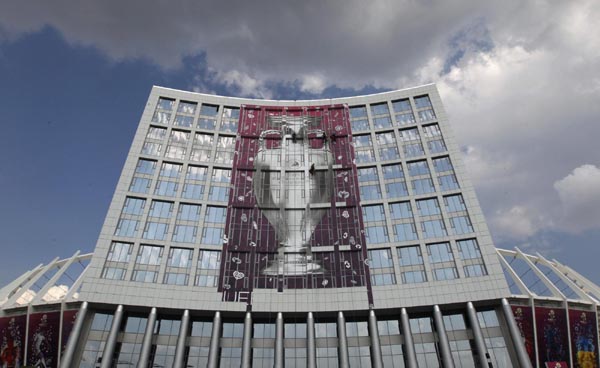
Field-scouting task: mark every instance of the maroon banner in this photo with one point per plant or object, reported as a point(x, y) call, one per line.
point(553, 342)
point(584, 337)
point(524, 318)
point(12, 341)
point(43, 339)
point(293, 218)
point(67, 326)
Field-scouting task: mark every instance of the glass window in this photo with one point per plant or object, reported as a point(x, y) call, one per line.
point(140, 185)
point(188, 212)
point(389, 153)
point(396, 190)
point(212, 236)
point(134, 206)
point(127, 227)
point(423, 186)
point(381, 122)
point(209, 110)
point(454, 322)
point(488, 319)
point(461, 225)
point(209, 260)
point(221, 175)
point(417, 168)
point(367, 174)
point(373, 213)
point(165, 103)
point(156, 133)
point(325, 329)
point(295, 330)
point(370, 192)
point(264, 331)
point(185, 234)
point(231, 113)
point(380, 258)
point(362, 141)
point(145, 167)
point(161, 209)
point(149, 255)
point(170, 170)
point(468, 249)
point(166, 188)
point(180, 257)
point(202, 328)
point(448, 182)
point(433, 229)
point(402, 105)
point(376, 234)
point(454, 203)
point(392, 171)
point(380, 109)
point(215, 215)
point(196, 173)
point(161, 117)
point(445, 273)
point(152, 149)
point(428, 207)
point(233, 330)
point(155, 231)
point(440, 252)
point(358, 112)
point(187, 107)
point(405, 232)
point(119, 252)
point(184, 121)
point(359, 125)
point(442, 164)
point(422, 102)
point(218, 194)
point(401, 210)
point(410, 256)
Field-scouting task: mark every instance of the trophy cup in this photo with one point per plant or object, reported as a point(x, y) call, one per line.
point(292, 185)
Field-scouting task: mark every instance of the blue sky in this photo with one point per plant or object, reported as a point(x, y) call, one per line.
point(520, 81)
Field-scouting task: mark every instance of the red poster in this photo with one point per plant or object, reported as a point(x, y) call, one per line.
point(553, 343)
point(524, 320)
point(67, 326)
point(584, 337)
point(43, 339)
point(294, 192)
point(12, 341)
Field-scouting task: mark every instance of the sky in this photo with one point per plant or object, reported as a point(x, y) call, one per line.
point(520, 81)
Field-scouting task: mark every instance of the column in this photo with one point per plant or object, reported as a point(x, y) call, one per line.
point(311, 344)
point(147, 341)
point(67, 357)
point(111, 342)
point(477, 335)
point(279, 341)
point(247, 342)
point(411, 355)
point(180, 349)
point(213, 354)
point(515, 335)
point(342, 341)
point(443, 338)
point(376, 357)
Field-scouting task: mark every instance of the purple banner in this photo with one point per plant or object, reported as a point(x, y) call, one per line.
point(524, 318)
point(12, 341)
point(43, 339)
point(551, 328)
point(67, 326)
point(584, 337)
point(293, 219)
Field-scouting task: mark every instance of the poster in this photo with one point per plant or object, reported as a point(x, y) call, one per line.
point(293, 218)
point(584, 337)
point(12, 343)
point(43, 339)
point(551, 329)
point(524, 319)
point(68, 322)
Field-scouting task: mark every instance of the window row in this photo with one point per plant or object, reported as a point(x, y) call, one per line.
point(403, 111)
point(185, 115)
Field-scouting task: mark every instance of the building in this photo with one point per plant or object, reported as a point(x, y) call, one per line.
point(325, 233)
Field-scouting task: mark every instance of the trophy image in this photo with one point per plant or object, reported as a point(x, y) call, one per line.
point(292, 184)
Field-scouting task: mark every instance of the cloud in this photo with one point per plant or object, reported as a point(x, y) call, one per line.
point(520, 79)
point(579, 193)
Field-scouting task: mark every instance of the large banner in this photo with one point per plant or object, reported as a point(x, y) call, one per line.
point(12, 341)
point(293, 219)
point(43, 339)
point(584, 337)
point(67, 326)
point(552, 335)
point(524, 318)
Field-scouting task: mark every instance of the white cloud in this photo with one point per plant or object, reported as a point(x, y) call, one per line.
point(579, 193)
point(520, 79)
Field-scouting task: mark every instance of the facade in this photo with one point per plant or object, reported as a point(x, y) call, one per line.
point(323, 233)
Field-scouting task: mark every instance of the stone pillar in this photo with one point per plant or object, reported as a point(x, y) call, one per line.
point(147, 341)
point(343, 342)
point(311, 343)
point(515, 335)
point(411, 355)
point(376, 357)
point(213, 354)
point(111, 342)
point(247, 342)
point(74, 338)
point(443, 338)
point(180, 349)
point(477, 335)
point(279, 362)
